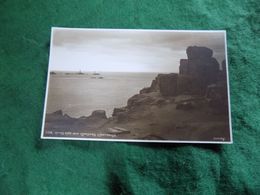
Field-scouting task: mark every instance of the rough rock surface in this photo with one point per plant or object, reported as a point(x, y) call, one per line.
point(166, 84)
point(99, 114)
point(139, 99)
point(200, 65)
point(117, 111)
point(195, 52)
point(184, 67)
point(188, 85)
point(120, 114)
point(58, 121)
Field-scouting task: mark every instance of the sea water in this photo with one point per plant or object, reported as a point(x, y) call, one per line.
point(80, 94)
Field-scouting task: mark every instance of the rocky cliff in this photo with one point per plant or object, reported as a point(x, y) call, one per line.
point(199, 88)
point(195, 74)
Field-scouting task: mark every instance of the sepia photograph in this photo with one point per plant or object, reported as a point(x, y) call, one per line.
point(138, 86)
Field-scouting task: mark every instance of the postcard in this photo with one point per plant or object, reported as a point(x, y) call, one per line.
point(167, 86)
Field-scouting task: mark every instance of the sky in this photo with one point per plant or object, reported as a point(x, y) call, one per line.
point(100, 50)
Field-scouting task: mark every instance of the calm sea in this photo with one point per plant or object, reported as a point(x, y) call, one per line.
point(79, 95)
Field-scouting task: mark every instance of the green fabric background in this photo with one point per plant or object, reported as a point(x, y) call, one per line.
point(29, 165)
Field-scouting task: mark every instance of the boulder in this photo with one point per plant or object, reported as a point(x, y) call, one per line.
point(101, 114)
point(194, 52)
point(117, 111)
point(139, 99)
point(55, 116)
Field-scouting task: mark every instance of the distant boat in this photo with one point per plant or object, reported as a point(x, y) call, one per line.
point(96, 73)
point(52, 72)
point(81, 73)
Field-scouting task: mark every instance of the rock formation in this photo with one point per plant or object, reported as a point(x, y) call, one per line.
point(165, 83)
point(57, 121)
point(194, 52)
point(199, 75)
point(100, 114)
point(200, 66)
point(168, 84)
point(195, 74)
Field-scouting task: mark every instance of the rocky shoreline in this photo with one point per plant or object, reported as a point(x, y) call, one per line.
point(189, 105)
